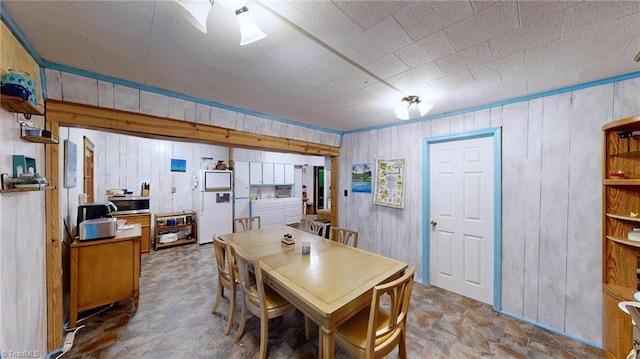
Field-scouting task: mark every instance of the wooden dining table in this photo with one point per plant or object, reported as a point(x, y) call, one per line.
point(329, 285)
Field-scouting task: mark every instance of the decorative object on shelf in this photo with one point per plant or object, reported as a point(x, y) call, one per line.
point(617, 174)
point(70, 164)
point(633, 214)
point(15, 90)
point(15, 77)
point(221, 165)
point(23, 164)
point(634, 234)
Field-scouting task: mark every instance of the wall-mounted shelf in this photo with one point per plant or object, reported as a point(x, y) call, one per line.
point(12, 190)
point(40, 139)
point(18, 104)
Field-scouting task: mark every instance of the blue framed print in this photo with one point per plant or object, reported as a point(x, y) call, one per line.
point(178, 165)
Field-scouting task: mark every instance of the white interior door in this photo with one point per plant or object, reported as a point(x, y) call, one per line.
point(461, 210)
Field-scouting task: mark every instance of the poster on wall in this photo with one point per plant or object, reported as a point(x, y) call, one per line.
point(361, 177)
point(70, 164)
point(389, 183)
point(178, 165)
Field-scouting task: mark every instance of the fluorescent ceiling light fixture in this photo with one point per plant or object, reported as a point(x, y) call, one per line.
point(196, 12)
point(402, 109)
point(249, 31)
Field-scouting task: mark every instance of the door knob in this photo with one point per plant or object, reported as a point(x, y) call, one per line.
point(433, 222)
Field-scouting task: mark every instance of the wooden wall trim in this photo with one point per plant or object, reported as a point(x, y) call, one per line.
point(77, 115)
point(53, 245)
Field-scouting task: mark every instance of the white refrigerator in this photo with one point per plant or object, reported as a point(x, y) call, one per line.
point(214, 207)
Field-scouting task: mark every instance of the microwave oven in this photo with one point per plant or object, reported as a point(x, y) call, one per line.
point(215, 180)
point(130, 204)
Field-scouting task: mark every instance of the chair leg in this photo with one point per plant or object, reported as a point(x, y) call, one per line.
point(232, 309)
point(219, 295)
point(243, 317)
point(402, 346)
point(264, 336)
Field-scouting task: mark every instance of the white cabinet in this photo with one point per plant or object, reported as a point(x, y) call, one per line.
point(292, 210)
point(241, 179)
point(278, 173)
point(241, 208)
point(270, 211)
point(255, 173)
point(267, 173)
point(289, 174)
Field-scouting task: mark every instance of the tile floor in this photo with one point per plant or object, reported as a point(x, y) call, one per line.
point(173, 320)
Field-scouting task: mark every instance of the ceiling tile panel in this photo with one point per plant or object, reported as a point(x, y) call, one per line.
point(223, 60)
point(330, 24)
point(130, 49)
point(315, 75)
point(114, 65)
point(532, 11)
point(625, 28)
point(413, 77)
point(178, 53)
point(60, 13)
point(387, 66)
point(297, 52)
point(368, 13)
point(538, 33)
point(479, 5)
point(116, 17)
point(592, 13)
point(466, 59)
point(353, 81)
point(485, 25)
point(454, 82)
point(423, 18)
point(554, 81)
point(293, 88)
point(167, 73)
point(335, 64)
point(565, 46)
point(273, 68)
point(382, 39)
point(430, 48)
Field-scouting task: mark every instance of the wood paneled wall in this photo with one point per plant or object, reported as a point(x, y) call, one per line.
point(551, 196)
point(23, 291)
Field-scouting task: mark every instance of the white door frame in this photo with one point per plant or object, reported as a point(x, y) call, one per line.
point(496, 134)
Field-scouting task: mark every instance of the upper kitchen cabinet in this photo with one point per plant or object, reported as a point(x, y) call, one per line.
point(255, 173)
point(278, 173)
point(268, 173)
point(241, 179)
point(289, 174)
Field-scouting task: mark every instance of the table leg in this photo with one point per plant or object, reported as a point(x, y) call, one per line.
point(327, 347)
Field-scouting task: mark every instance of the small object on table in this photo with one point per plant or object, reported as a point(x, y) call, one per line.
point(287, 239)
point(306, 247)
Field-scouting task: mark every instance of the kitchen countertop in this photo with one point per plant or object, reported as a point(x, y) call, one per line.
point(124, 235)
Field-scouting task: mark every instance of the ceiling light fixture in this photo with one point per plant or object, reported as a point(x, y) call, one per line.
point(249, 31)
point(196, 12)
point(402, 110)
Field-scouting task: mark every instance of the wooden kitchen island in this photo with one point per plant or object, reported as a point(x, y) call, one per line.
point(104, 271)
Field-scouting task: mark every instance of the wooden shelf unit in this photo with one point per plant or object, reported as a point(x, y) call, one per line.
point(620, 256)
point(18, 104)
point(12, 190)
point(183, 230)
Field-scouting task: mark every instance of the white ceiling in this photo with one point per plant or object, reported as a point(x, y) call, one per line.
point(454, 54)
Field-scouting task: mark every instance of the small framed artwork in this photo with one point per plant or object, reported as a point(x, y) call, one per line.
point(178, 165)
point(70, 164)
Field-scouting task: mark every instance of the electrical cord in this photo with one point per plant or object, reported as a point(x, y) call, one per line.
point(68, 341)
point(67, 329)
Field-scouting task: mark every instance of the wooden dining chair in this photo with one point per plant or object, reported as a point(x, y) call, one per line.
point(246, 224)
point(316, 227)
point(227, 278)
point(375, 331)
point(257, 298)
point(344, 236)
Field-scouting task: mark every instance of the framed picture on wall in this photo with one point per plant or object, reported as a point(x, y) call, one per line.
point(70, 164)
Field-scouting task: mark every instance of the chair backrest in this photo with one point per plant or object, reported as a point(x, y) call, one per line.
point(383, 339)
point(344, 236)
point(315, 227)
point(251, 282)
point(224, 261)
point(246, 224)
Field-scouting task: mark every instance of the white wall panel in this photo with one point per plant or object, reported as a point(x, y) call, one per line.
point(551, 164)
point(176, 108)
point(106, 95)
point(126, 98)
point(79, 89)
point(54, 84)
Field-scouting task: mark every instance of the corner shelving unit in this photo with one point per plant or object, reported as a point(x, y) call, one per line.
point(186, 232)
point(620, 256)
